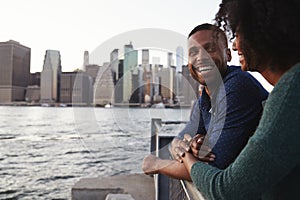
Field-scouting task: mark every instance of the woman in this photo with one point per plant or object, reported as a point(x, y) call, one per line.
point(267, 34)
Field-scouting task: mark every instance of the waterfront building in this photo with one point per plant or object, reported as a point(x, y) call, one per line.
point(137, 83)
point(114, 62)
point(14, 71)
point(76, 88)
point(50, 77)
point(190, 93)
point(178, 74)
point(166, 79)
point(104, 86)
point(35, 79)
point(33, 93)
point(85, 59)
point(179, 59)
point(145, 77)
point(145, 56)
point(140, 83)
point(92, 70)
point(148, 91)
point(118, 90)
point(156, 83)
point(137, 86)
point(170, 60)
point(130, 63)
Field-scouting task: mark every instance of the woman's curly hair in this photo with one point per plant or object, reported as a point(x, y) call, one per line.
point(269, 31)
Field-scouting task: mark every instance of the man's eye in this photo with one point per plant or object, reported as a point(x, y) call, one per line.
point(210, 48)
point(193, 52)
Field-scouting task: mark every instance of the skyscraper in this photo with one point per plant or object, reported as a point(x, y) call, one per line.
point(104, 86)
point(170, 61)
point(178, 75)
point(118, 91)
point(145, 76)
point(130, 63)
point(145, 56)
point(14, 71)
point(190, 92)
point(167, 83)
point(114, 62)
point(50, 77)
point(179, 59)
point(86, 59)
point(92, 70)
point(76, 88)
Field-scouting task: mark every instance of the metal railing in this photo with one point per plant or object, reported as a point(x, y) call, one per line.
point(165, 187)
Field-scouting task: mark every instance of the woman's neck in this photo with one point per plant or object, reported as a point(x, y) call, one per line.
point(270, 76)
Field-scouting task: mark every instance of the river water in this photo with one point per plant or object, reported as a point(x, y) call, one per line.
point(44, 151)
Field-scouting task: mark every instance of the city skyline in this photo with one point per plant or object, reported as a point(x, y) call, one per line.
point(73, 27)
point(95, 85)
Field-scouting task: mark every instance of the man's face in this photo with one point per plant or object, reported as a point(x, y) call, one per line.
point(208, 54)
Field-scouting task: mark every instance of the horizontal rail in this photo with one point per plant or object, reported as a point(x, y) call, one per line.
point(173, 122)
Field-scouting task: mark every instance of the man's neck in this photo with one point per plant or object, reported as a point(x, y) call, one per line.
point(207, 91)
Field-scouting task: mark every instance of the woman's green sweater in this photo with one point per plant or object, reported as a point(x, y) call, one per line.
point(268, 167)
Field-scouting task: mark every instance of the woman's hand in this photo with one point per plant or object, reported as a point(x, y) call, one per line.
point(188, 161)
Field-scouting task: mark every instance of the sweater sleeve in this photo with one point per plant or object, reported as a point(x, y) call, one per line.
point(270, 155)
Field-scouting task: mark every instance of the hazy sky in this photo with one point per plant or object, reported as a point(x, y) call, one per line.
point(73, 26)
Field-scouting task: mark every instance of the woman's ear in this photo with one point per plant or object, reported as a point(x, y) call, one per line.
point(228, 53)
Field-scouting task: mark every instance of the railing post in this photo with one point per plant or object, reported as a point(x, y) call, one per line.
point(155, 126)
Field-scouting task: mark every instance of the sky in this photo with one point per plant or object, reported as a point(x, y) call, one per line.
point(73, 26)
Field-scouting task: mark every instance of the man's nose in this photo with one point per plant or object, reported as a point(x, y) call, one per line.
point(202, 54)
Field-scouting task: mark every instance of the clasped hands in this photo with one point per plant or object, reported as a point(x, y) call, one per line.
point(192, 145)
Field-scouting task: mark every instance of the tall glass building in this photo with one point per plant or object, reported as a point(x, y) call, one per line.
point(130, 66)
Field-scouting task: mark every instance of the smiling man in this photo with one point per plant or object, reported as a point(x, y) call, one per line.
point(227, 112)
point(208, 54)
point(230, 106)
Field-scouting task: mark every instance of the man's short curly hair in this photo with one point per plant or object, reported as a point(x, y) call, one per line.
point(269, 31)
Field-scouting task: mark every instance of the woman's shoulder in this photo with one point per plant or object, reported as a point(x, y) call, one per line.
point(288, 83)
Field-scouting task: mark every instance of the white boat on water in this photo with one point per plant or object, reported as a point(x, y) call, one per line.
point(108, 105)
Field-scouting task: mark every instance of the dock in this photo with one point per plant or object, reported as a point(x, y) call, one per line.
point(127, 187)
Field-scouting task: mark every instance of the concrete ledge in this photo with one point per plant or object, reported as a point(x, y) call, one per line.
point(140, 186)
point(119, 197)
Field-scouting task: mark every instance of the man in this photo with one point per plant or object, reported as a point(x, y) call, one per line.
point(227, 112)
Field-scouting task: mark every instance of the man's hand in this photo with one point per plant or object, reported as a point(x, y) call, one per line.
point(178, 148)
point(193, 145)
point(200, 151)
